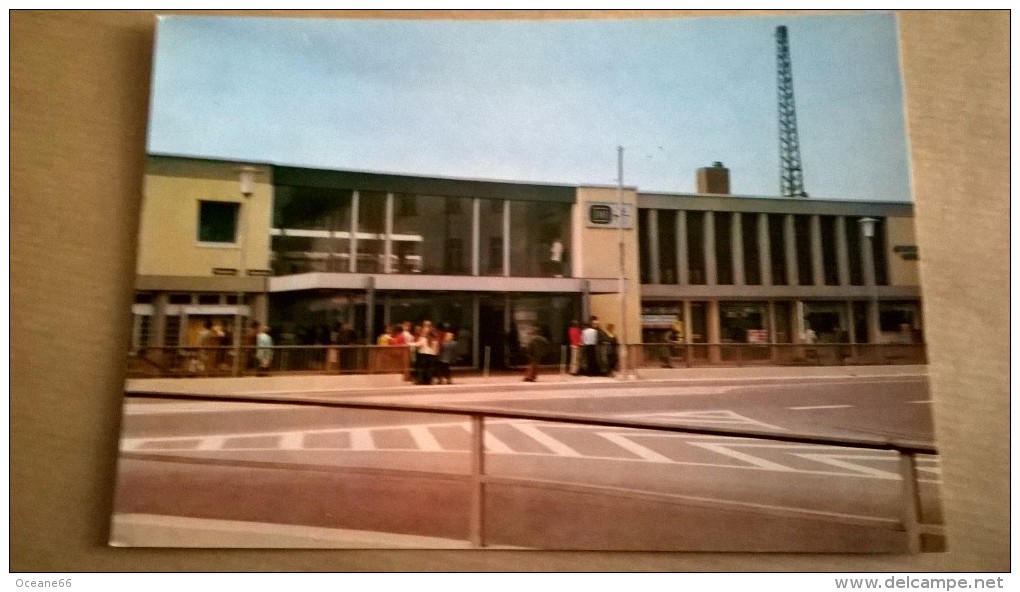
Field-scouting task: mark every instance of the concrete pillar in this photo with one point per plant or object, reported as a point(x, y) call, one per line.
point(506, 238)
point(476, 316)
point(867, 254)
point(764, 250)
point(476, 238)
point(158, 329)
point(771, 320)
point(773, 332)
point(797, 324)
point(388, 244)
point(688, 323)
point(842, 252)
point(586, 302)
point(712, 327)
point(817, 267)
point(682, 262)
point(737, 248)
point(850, 329)
point(370, 309)
point(708, 235)
point(260, 307)
point(653, 246)
point(352, 263)
point(790, 244)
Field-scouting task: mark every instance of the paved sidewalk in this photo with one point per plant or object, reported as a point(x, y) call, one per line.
point(392, 384)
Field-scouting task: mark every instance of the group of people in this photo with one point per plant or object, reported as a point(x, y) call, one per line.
point(593, 349)
point(433, 350)
point(256, 343)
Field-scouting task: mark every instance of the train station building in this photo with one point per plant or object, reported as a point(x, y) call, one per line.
point(303, 249)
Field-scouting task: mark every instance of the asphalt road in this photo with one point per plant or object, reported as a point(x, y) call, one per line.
point(408, 473)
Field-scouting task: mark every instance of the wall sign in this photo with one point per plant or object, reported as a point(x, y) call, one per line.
point(610, 215)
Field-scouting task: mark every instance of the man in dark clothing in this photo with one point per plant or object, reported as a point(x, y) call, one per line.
point(537, 348)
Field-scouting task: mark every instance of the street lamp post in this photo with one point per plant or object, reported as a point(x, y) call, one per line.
point(623, 267)
point(246, 180)
point(868, 230)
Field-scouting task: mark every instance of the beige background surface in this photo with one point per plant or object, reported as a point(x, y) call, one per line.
point(79, 86)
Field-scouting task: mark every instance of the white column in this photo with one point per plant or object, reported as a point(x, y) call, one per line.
point(764, 250)
point(790, 242)
point(688, 323)
point(682, 262)
point(506, 238)
point(476, 315)
point(708, 234)
point(737, 248)
point(842, 252)
point(476, 237)
point(713, 328)
point(773, 334)
point(867, 254)
point(355, 205)
point(388, 245)
point(653, 245)
point(817, 268)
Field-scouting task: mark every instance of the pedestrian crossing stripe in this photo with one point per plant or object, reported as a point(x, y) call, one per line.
point(628, 441)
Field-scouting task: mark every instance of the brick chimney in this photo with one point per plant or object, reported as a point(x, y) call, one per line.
point(714, 179)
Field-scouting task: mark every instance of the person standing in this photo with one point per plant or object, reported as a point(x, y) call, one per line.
point(427, 347)
point(447, 356)
point(611, 344)
point(589, 346)
point(248, 352)
point(345, 338)
point(264, 350)
point(537, 348)
point(574, 338)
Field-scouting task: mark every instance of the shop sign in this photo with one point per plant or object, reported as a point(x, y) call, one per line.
point(757, 336)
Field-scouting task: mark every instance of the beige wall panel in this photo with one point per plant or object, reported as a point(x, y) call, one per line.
point(169, 224)
point(902, 272)
point(599, 253)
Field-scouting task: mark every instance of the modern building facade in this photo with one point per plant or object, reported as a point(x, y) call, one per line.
point(305, 249)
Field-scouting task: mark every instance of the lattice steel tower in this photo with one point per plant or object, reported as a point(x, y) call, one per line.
point(791, 176)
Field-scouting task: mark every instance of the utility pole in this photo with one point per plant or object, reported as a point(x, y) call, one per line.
point(623, 266)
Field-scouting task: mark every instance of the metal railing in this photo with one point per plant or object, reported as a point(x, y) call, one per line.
point(187, 361)
point(213, 361)
point(662, 355)
point(909, 521)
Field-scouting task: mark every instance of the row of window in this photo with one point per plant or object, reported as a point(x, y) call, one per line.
point(662, 246)
point(370, 232)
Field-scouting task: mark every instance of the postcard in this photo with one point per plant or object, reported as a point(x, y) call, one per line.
point(571, 284)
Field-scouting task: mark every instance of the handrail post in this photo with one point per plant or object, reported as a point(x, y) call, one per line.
point(911, 504)
point(477, 481)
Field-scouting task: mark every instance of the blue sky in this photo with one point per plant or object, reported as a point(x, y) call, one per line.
point(540, 101)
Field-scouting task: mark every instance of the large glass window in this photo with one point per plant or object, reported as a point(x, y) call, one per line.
point(645, 246)
point(539, 235)
point(217, 221)
point(311, 230)
point(743, 322)
point(490, 242)
point(853, 248)
point(696, 247)
point(724, 247)
point(667, 247)
point(777, 250)
point(371, 232)
point(432, 234)
point(830, 264)
point(749, 238)
point(802, 236)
